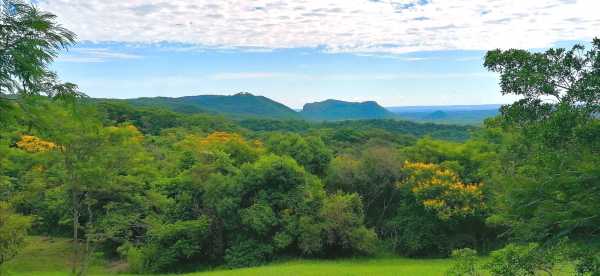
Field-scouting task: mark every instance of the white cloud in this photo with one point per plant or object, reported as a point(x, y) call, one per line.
point(94, 55)
point(355, 26)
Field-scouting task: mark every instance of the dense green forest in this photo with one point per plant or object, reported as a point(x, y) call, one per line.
point(168, 191)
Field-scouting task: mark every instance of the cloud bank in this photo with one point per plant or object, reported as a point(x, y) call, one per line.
point(353, 26)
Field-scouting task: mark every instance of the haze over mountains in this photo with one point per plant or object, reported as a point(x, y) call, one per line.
point(246, 105)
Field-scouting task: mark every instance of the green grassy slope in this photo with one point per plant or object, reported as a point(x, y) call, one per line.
point(46, 257)
point(383, 266)
point(50, 257)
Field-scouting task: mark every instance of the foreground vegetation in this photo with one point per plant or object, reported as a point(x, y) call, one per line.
point(161, 192)
point(49, 256)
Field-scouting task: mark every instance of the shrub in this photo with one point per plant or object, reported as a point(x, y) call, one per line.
point(171, 246)
point(465, 263)
point(344, 229)
point(588, 263)
point(13, 230)
point(247, 253)
point(524, 260)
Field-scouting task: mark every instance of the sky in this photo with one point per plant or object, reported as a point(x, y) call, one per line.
point(395, 52)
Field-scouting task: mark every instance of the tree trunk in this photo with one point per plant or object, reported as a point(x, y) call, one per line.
point(76, 253)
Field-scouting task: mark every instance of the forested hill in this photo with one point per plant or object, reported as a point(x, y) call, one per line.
point(241, 105)
point(334, 110)
point(249, 106)
point(246, 105)
point(152, 120)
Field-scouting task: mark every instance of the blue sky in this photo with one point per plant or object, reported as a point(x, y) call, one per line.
point(396, 52)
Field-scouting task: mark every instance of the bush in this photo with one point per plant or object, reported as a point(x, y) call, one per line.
point(13, 230)
point(524, 260)
point(247, 253)
point(344, 229)
point(465, 263)
point(171, 246)
point(588, 263)
point(414, 232)
point(134, 257)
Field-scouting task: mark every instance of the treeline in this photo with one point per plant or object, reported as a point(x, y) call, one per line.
point(172, 192)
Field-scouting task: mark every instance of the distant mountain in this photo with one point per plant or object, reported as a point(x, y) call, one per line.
point(433, 108)
point(451, 114)
point(247, 106)
point(241, 105)
point(334, 110)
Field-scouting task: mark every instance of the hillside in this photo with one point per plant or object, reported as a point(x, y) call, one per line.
point(241, 105)
point(334, 110)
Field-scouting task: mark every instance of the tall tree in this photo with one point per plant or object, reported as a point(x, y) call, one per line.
point(30, 39)
point(547, 184)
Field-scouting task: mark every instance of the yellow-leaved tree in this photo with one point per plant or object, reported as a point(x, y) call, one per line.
point(442, 191)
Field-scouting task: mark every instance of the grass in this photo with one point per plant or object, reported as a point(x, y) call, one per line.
point(49, 257)
point(46, 257)
point(347, 267)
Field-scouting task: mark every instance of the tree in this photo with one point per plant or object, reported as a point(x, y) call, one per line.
point(30, 39)
point(309, 152)
point(171, 244)
point(441, 191)
point(438, 212)
point(548, 81)
point(373, 175)
point(100, 176)
point(546, 186)
point(344, 227)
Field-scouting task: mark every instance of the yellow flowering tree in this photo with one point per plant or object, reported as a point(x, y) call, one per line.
point(441, 190)
point(33, 144)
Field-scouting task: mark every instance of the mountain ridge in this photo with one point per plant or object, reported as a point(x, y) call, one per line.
point(240, 105)
point(246, 105)
point(337, 110)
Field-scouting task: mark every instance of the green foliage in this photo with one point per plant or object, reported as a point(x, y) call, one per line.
point(259, 217)
point(13, 231)
point(154, 120)
point(527, 259)
point(170, 190)
point(415, 232)
point(370, 127)
point(545, 186)
point(309, 152)
point(373, 175)
point(588, 264)
point(465, 263)
point(171, 245)
point(343, 217)
point(248, 253)
point(31, 39)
